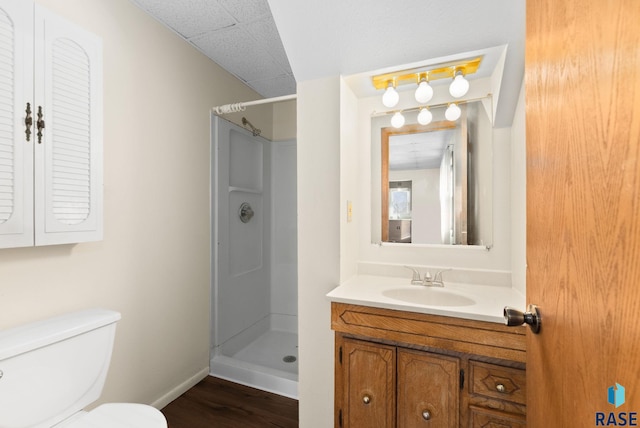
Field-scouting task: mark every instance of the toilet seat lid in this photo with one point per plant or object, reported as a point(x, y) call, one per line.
point(121, 415)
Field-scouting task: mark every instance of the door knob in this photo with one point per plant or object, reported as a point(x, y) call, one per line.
point(513, 317)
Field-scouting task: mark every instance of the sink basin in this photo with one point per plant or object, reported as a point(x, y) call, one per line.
point(429, 296)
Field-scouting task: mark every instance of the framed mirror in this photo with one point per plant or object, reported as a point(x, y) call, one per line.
point(432, 184)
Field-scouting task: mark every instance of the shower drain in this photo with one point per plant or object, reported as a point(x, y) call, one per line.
point(289, 359)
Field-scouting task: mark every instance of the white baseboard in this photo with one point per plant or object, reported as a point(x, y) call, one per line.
point(180, 389)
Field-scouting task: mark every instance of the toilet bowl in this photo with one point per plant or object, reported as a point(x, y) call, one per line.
point(51, 370)
point(118, 415)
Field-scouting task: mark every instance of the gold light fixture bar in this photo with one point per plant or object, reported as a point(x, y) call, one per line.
point(441, 71)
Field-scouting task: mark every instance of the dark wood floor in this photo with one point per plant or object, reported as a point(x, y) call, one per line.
point(218, 403)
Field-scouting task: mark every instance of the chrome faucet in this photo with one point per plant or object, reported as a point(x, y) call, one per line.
point(429, 281)
point(435, 281)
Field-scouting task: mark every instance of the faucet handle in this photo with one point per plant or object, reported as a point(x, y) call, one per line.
point(438, 276)
point(415, 277)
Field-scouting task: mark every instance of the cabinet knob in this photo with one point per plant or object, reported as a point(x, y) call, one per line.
point(426, 415)
point(500, 388)
point(366, 399)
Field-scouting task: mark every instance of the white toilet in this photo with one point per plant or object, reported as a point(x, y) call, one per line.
point(51, 370)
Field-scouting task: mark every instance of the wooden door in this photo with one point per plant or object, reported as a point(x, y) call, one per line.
point(369, 381)
point(583, 208)
point(428, 390)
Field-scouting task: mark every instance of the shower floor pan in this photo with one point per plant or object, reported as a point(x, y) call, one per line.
point(269, 363)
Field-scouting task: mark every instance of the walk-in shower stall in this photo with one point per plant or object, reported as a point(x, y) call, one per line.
point(254, 259)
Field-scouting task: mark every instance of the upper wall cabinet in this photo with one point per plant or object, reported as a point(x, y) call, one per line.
point(50, 129)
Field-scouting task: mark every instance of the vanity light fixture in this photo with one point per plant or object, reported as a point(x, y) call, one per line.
point(397, 120)
point(425, 117)
point(390, 97)
point(424, 76)
point(453, 112)
point(460, 86)
point(424, 91)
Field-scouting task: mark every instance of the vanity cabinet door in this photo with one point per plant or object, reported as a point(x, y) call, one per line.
point(428, 390)
point(369, 374)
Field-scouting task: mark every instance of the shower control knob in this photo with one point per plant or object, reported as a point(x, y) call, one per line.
point(513, 317)
point(245, 212)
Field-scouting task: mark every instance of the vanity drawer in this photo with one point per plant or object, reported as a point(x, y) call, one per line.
point(498, 382)
point(482, 418)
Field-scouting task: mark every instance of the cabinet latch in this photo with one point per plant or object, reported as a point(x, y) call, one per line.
point(461, 378)
point(340, 417)
point(28, 121)
point(340, 355)
point(39, 125)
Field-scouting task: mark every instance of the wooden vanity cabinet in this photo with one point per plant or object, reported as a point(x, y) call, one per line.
point(404, 369)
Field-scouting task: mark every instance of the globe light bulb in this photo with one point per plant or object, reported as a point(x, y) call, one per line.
point(397, 120)
point(425, 116)
point(390, 97)
point(453, 112)
point(460, 86)
point(424, 92)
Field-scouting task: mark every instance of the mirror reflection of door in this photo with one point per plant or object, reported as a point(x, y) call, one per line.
point(423, 178)
point(400, 211)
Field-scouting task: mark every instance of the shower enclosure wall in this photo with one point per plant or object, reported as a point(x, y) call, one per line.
point(254, 260)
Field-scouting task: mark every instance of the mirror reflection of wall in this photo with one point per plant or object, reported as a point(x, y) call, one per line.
point(435, 180)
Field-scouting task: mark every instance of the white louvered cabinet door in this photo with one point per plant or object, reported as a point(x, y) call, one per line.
point(16, 153)
point(68, 159)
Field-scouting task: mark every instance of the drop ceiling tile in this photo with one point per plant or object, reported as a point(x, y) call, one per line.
point(237, 52)
point(247, 10)
point(264, 31)
point(188, 18)
point(276, 87)
point(239, 35)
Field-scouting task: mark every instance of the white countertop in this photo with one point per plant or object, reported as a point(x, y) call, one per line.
point(476, 302)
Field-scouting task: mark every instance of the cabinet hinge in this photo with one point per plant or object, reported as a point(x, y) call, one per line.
point(461, 379)
point(340, 356)
point(340, 417)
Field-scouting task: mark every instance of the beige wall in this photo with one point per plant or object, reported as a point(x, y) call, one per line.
point(319, 189)
point(284, 121)
point(153, 264)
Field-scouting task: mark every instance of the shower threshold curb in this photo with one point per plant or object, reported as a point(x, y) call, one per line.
point(270, 380)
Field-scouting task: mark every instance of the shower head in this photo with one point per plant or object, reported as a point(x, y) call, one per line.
point(255, 131)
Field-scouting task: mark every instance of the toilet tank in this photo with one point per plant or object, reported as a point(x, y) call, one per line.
point(53, 368)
